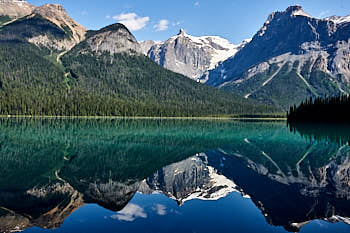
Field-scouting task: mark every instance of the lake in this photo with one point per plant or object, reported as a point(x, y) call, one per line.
point(128, 175)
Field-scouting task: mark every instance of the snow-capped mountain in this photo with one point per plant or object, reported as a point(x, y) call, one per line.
point(294, 56)
point(189, 55)
point(339, 19)
point(190, 179)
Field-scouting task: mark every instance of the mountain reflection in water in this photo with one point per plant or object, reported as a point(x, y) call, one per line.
point(51, 168)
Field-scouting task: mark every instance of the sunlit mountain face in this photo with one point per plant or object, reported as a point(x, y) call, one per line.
point(157, 175)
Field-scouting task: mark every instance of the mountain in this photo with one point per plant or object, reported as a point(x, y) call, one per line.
point(112, 58)
point(112, 39)
point(46, 26)
point(12, 9)
point(147, 44)
point(292, 57)
point(189, 55)
point(99, 72)
point(58, 15)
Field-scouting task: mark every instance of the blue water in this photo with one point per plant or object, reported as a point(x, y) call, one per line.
point(172, 176)
point(158, 213)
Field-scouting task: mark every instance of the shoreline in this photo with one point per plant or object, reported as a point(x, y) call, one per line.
point(260, 118)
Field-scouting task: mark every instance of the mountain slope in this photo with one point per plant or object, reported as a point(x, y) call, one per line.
point(189, 55)
point(15, 8)
point(46, 26)
point(58, 15)
point(105, 74)
point(294, 56)
point(133, 77)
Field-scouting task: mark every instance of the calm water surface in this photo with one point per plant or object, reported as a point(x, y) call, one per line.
point(173, 176)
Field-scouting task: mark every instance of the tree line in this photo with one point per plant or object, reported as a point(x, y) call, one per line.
point(326, 109)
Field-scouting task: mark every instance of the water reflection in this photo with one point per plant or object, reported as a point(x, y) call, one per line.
point(51, 168)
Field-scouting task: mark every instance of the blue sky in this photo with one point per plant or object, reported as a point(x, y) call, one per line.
point(234, 20)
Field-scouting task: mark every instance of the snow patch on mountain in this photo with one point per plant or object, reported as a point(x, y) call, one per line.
point(300, 12)
point(190, 55)
point(339, 19)
point(221, 49)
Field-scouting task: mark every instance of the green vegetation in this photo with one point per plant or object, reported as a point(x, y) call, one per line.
point(327, 110)
point(32, 82)
point(67, 30)
point(28, 27)
point(4, 19)
point(277, 91)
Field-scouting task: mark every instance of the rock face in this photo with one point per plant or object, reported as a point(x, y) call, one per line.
point(292, 57)
point(48, 25)
point(58, 15)
point(113, 39)
point(189, 55)
point(147, 45)
point(15, 8)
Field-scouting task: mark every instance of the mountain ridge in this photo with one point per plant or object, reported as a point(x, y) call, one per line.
point(105, 74)
point(291, 51)
point(55, 13)
point(189, 55)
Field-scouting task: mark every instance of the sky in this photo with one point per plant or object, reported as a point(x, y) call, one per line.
point(234, 20)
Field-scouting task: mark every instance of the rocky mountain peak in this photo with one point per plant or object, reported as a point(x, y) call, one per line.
point(181, 32)
point(115, 38)
point(297, 11)
point(292, 9)
point(190, 55)
point(58, 15)
point(15, 8)
point(50, 8)
point(291, 45)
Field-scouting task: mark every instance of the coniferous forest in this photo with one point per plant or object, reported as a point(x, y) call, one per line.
point(122, 85)
point(33, 81)
point(326, 109)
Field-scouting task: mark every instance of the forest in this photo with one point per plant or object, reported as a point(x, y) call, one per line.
point(334, 109)
point(32, 83)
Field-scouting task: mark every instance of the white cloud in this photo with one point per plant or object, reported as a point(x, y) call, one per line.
point(108, 16)
point(84, 13)
point(324, 14)
point(196, 3)
point(160, 209)
point(132, 21)
point(177, 23)
point(162, 25)
point(130, 213)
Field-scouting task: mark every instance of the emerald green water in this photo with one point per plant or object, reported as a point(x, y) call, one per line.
point(118, 175)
